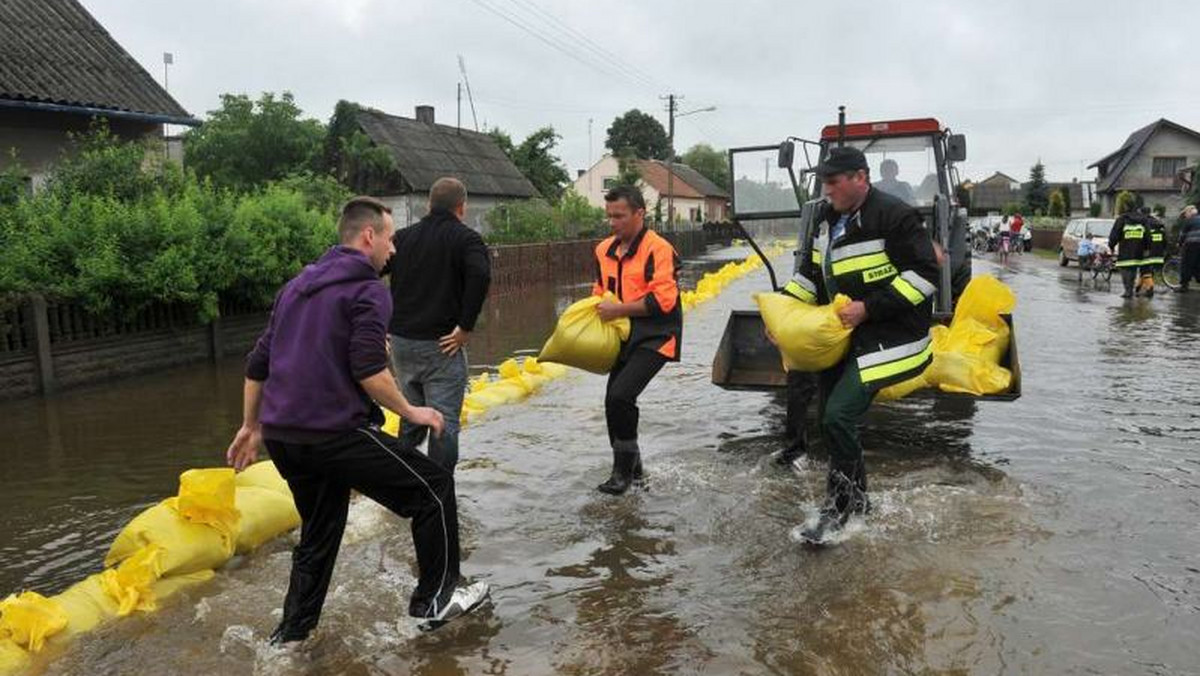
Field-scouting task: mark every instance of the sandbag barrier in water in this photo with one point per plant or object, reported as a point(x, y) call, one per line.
point(179, 542)
point(172, 545)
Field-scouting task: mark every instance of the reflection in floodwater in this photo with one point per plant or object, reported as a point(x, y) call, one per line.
point(1051, 534)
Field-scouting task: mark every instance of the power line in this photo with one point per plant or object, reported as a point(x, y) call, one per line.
point(591, 45)
point(555, 44)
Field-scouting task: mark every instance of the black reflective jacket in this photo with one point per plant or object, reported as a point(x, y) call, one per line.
point(885, 259)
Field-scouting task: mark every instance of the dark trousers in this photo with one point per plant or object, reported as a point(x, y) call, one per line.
point(390, 473)
point(846, 401)
point(801, 388)
point(629, 377)
point(427, 377)
point(1189, 264)
point(1129, 277)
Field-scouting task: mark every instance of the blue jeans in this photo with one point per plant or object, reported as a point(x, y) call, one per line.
point(426, 377)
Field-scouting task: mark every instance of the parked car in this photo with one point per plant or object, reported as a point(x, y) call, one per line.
point(1095, 229)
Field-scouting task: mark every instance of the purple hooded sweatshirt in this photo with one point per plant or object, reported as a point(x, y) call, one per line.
point(327, 331)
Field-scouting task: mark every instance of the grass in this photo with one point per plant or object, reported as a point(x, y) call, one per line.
point(1049, 254)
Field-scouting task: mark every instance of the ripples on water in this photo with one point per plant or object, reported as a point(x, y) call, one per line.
point(1054, 534)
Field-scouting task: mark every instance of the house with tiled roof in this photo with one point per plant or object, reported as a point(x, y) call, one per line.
point(422, 151)
point(696, 198)
point(59, 70)
point(1154, 162)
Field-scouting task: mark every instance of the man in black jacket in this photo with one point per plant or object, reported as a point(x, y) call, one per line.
point(880, 255)
point(439, 277)
point(1129, 237)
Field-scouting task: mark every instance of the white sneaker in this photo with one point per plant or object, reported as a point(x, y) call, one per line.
point(462, 601)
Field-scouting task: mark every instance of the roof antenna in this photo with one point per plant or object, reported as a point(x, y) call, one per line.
point(841, 126)
point(462, 66)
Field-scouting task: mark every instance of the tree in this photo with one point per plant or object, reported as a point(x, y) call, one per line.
point(1056, 204)
point(348, 155)
point(1193, 195)
point(628, 172)
point(640, 132)
point(535, 160)
point(710, 162)
point(1066, 198)
point(1037, 193)
point(246, 144)
point(1125, 202)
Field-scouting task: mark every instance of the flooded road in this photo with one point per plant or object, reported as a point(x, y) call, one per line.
point(1055, 534)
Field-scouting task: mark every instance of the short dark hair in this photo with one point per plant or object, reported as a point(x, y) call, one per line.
point(632, 196)
point(447, 194)
point(358, 213)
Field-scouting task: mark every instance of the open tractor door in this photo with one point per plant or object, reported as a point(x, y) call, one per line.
point(919, 156)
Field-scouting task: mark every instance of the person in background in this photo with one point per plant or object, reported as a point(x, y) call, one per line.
point(1189, 247)
point(1128, 237)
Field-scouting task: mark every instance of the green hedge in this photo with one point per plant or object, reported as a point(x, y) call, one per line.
point(114, 234)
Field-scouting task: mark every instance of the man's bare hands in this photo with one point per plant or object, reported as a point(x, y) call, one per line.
point(431, 418)
point(244, 450)
point(853, 314)
point(609, 311)
point(452, 342)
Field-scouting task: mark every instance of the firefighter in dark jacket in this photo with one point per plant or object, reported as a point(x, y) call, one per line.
point(881, 256)
point(1156, 249)
point(1130, 238)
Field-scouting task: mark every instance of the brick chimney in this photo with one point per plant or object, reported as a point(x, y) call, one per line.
point(425, 114)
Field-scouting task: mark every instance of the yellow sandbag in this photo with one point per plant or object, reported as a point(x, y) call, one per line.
point(169, 586)
point(265, 516)
point(13, 658)
point(582, 340)
point(967, 374)
point(971, 336)
point(131, 584)
point(508, 391)
point(187, 547)
point(86, 605)
point(480, 382)
point(264, 475)
point(485, 399)
point(206, 496)
point(391, 423)
point(902, 389)
point(29, 619)
point(810, 337)
point(984, 300)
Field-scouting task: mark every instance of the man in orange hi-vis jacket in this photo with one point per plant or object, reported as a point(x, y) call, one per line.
point(640, 268)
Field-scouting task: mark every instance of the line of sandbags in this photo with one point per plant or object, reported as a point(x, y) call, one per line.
point(170, 546)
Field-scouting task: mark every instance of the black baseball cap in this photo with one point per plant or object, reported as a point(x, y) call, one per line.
point(842, 160)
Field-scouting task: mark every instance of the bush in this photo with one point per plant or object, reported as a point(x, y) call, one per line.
point(537, 221)
point(113, 236)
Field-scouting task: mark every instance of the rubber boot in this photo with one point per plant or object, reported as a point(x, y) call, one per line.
point(627, 466)
point(1127, 279)
point(845, 497)
point(1148, 286)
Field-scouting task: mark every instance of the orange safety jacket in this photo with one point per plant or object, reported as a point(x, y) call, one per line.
point(649, 270)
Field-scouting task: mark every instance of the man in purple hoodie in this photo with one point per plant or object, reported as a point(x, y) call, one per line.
point(311, 384)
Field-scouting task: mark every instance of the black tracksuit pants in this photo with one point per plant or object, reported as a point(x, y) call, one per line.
point(629, 377)
point(398, 477)
point(1189, 264)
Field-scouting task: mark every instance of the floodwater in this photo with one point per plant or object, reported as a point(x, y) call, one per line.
point(1054, 534)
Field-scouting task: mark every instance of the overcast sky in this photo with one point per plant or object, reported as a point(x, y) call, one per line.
point(1065, 81)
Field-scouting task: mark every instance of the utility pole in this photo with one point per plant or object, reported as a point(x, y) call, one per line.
point(670, 158)
point(458, 125)
point(168, 59)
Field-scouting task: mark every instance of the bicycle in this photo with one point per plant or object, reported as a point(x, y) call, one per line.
point(1171, 272)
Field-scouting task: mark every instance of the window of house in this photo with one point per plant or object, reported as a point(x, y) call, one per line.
point(1167, 167)
point(610, 183)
